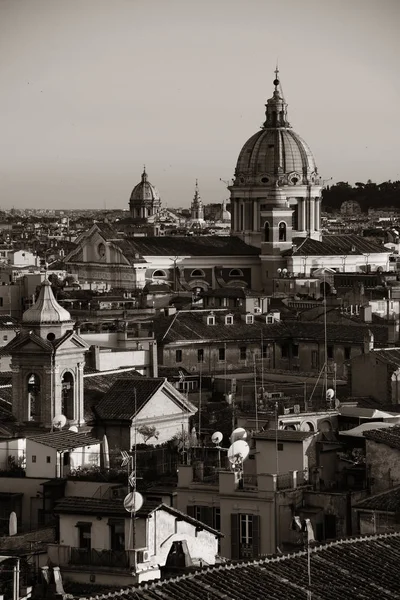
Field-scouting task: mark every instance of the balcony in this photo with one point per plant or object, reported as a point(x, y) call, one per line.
point(99, 558)
point(83, 557)
point(292, 480)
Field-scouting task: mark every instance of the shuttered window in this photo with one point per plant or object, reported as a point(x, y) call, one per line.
point(245, 536)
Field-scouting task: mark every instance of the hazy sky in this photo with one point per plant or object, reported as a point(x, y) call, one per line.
point(93, 89)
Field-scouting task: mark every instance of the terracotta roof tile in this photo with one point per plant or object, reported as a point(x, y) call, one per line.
point(64, 440)
point(119, 401)
point(389, 436)
point(333, 245)
point(342, 570)
point(284, 435)
point(388, 501)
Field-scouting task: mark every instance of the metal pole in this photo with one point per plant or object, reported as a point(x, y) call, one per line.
point(16, 581)
point(200, 403)
point(255, 390)
point(276, 438)
point(326, 339)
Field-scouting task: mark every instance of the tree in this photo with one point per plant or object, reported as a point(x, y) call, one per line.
point(148, 432)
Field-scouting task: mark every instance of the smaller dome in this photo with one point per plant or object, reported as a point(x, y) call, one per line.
point(144, 192)
point(46, 309)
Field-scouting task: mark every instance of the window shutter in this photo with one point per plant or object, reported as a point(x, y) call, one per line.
point(256, 536)
point(207, 515)
point(235, 536)
point(190, 511)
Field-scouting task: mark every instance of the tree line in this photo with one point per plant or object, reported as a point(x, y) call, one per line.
point(368, 195)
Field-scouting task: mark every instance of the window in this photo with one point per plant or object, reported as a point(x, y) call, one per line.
point(229, 320)
point(295, 350)
point(210, 320)
point(178, 356)
point(117, 534)
point(249, 319)
point(221, 354)
point(159, 273)
point(48, 459)
point(85, 535)
point(266, 232)
point(280, 446)
point(264, 351)
point(347, 353)
point(33, 458)
point(282, 232)
point(246, 529)
point(5, 338)
point(270, 319)
point(314, 359)
point(284, 351)
point(243, 352)
point(329, 351)
point(200, 355)
point(245, 536)
point(197, 273)
point(236, 273)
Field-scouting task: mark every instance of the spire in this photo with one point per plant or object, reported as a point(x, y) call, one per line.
point(196, 198)
point(144, 174)
point(276, 113)
point(46, 308)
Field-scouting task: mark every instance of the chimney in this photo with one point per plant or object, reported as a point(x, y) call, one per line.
point(366, 313)
point(368, 342)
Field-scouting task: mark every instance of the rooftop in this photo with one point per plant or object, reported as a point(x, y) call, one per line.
point(204, 245)
point(64, 440)
point(389, 436)
point(284, 435)
point(120, 401)
point(347, 569)
point(334, 245)
point(83, 505)
point(388, 501)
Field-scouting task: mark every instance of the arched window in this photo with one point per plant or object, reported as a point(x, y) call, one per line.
point(282, 231)
point(159, 273)
point(236, 273)
point(33, 385)
point(197, 273)
point(266, 231)
point(67, 395)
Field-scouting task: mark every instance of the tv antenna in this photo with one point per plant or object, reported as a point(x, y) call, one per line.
point(59, 422)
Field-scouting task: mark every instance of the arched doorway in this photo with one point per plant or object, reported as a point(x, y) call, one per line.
point(282, 231)
point(34, 403)
point(325, 288)
point(178, 556)
point(67, 395)
point(266, 231)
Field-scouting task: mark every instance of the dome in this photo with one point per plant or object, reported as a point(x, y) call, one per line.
point(276, 154)
point(46, 309)
point(144, 192)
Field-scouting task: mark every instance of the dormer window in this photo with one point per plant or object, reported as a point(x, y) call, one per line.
point(229, 320)
point(210, 320)
point(249, 319)
point(270, 319)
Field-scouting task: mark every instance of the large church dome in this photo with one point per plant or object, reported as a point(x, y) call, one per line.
point(276, 154)
point(144, 192)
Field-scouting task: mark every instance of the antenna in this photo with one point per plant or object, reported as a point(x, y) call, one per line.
point(59, 421)
point(73, 428)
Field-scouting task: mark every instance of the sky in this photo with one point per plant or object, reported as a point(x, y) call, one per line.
point(91, 90)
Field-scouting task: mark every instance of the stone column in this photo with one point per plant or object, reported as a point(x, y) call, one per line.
point(312, 215)
point(255, 215)
point(303, 218)
point(317, 225)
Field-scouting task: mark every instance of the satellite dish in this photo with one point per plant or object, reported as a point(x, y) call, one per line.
point(238, 452)
point(59, 421)
point(217, 438)
point(330, 394)
point(73, 428)
point(106, 452)
point(238, 434)
point(133, 502)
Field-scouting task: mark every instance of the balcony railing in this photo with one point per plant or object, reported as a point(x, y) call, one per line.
point(99, 558)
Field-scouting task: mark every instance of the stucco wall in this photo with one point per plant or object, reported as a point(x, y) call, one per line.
point(292, 457)
point(384, 464)
point(31, 489)
point(369, 378)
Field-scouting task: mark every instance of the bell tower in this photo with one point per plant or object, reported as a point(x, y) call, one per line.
point(47, 362)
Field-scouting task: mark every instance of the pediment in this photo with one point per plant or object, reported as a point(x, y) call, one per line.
point(73, 341)
point(27, 343)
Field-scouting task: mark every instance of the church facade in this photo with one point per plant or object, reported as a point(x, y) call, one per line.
point(275, 226)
